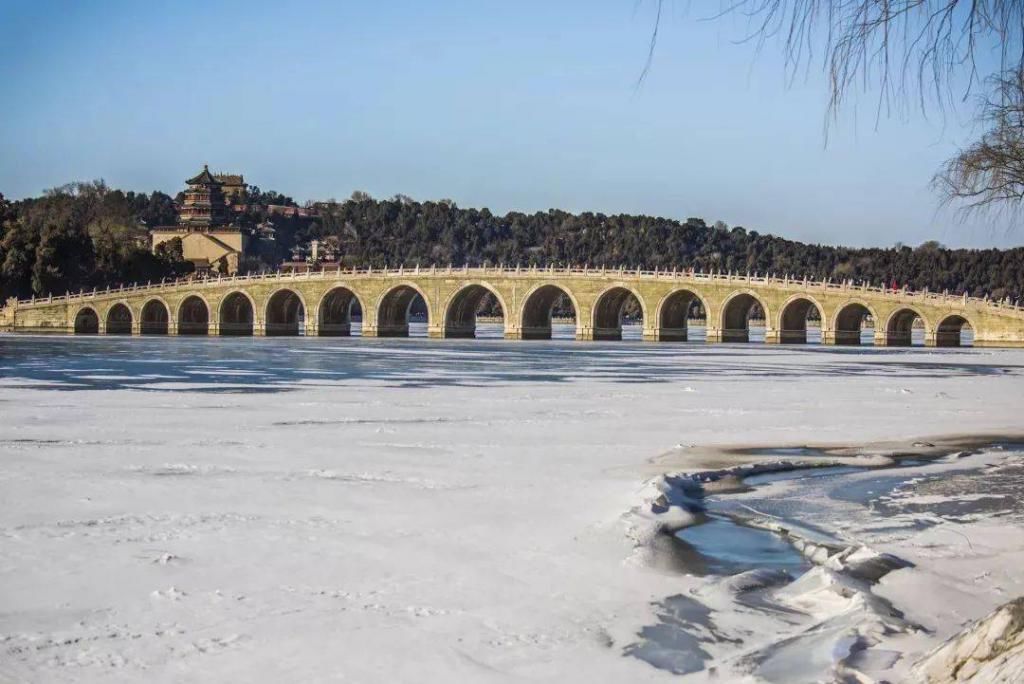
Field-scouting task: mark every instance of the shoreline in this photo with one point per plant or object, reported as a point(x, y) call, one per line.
point(851, 568)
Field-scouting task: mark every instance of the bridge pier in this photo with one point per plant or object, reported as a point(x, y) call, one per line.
point(713, 336)
point(884, 340)
point(600, 334)
point(738, 335)
point(586, 333)
point(452, 332)
point(786, 336)
point(848, 338)
point(385, 330)
point(665, 335)
point(332, 330)
point(528, 333)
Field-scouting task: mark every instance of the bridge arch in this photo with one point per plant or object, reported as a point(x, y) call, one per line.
point(736, 312)
point(461, 308)
point(193, 315)
point(950, 331)
point(394, 307)
point(285, 313)
point(538, 305)
point(848, 322)
point(87, 322)
point(237, 313)
point(119, 319)
point(673, 313)
point(899, 328)
point(335, 310)
point(609, 309)
point(793, 316)
point(154, 318)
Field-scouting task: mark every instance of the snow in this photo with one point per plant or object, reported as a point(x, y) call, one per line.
point(363, 510)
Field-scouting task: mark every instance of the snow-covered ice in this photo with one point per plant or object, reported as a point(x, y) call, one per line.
point(437, 511)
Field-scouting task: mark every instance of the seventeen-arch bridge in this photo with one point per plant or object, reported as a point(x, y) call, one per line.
point(323, 303)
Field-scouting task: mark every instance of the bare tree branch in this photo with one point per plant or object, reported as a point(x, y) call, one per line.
point(924, 51)
point(988, 176)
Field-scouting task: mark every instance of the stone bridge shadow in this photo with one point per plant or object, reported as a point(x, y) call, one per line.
point(255, 366)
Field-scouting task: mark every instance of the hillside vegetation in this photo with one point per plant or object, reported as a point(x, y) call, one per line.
point(87, 235)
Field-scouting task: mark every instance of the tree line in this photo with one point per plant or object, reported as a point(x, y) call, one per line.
point(86, 235)
point(369, 232)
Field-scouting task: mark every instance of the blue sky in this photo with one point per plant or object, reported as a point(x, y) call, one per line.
point(520, 105)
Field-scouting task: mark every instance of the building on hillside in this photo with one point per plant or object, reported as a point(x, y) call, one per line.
point(316, 251)
point(209, 239)
point(233, 186)
point(265, 230)
point(285, 210)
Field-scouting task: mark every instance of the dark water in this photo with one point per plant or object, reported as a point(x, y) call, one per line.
point(721, 546)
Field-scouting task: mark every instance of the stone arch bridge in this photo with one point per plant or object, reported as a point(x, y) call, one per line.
point(323, 303)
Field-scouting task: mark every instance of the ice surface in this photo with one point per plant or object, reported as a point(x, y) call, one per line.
point(411, 510)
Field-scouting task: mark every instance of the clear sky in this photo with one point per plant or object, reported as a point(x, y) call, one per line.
point(522, 105)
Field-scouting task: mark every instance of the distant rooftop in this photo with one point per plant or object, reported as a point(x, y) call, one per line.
point(204, 178)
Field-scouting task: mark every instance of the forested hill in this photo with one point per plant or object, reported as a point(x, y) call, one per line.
point(87, 235)
point(403, 231)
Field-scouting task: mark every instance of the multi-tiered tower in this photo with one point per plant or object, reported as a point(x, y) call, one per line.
point(208, 237)
point(204, 205)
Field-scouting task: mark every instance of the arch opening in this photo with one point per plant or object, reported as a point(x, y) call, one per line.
point(338, 310)
point(616, 308)
point(548, 312)
point(905, 329)
point(743, 319)
point(469, 304)
point(285, 314)
point(400, 307)
point(855, 325)
point(193, 317)
point(119, 320)
point(87, 322)
point(236, 315)
point(800, 323)
point(155, 318)
point(682, 317)
point(954, 331)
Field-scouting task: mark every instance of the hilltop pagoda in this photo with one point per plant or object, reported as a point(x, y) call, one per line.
point(204, 205)
point(208, 237)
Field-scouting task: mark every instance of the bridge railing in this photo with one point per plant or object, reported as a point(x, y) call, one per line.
point(501, 270)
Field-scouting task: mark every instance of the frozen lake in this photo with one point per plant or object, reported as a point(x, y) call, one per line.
point(326, 509)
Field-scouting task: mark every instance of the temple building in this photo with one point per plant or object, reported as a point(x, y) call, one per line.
point(233, 186)
point(209, 239)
